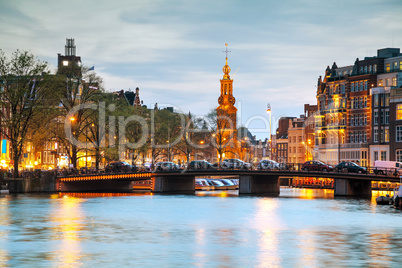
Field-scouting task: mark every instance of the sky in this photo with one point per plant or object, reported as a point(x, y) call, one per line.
point(173, 50)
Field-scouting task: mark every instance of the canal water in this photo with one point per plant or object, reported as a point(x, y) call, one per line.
point(300, 228)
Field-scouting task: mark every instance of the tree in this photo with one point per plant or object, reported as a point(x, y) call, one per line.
point(77, 87)
point(25, 84)
point(222, 138)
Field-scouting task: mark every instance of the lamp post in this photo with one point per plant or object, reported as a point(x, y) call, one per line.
point(269, 112)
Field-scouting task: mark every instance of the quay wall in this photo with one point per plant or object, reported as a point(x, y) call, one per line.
point(45, 182)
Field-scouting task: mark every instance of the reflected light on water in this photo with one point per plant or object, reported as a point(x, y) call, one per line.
point(266, 220)
point(68, 219)
point(4, 232)
point(379, 249)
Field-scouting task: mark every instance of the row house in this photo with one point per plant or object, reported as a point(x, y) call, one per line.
point(352, 122)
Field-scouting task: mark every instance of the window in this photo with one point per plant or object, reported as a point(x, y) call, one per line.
point(375, 68)
point(380, 82)
point(361, 86)
point(386, 117)
point(356, 120)
point(356, 137)
point(352, 120)
point(375, 155)
point(370, 69)
point(382, 135)
point(352, 87)
point(388, 67)
point(386, 99)
point(365, 136)
point(65, 62)
point(376, 118)
point(365, 85)
point(394, 81)
point(383, 155)
point(352, 106)
point(352, 140)
point(360, 119)
point(400, 65)
point(365, 102)
point(399, 111)
point(365, 119)
point(365, 69)
point(356, 103)
point(394, 66)
point(343, 88)
point(375, 135)
point(376, 100)
point(398, 133)
point(386, 135)
point(399, 155)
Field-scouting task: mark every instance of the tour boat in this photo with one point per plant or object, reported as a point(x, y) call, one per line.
point(203, 185)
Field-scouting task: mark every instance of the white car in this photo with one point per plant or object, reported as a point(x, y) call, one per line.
point(166, 166)
point(267, 165)
point(233, 163)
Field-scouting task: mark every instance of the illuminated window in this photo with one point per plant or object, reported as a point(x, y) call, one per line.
point(394, 81)
point(65, 62)
point(388, 67)
point(375, 68)
point(399, 111)
point(400, 65)
point(395, 66)
point(386, 135)
point(380, 82)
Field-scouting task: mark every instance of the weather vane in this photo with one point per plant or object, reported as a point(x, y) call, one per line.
point(226, 50)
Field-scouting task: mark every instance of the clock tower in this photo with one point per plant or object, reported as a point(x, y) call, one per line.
point(227, 113)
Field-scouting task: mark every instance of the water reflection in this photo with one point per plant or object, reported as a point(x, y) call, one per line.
point(4, 229)
point(68, 220)
point(300, 228)
point(266, 220)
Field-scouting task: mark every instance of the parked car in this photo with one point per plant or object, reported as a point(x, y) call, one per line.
point(267, 165)
point(166, 166)
point(350, 167)
point(387, 167)
point(233, 163)
point(119, 166)
point(316, 166)
point(200, 165)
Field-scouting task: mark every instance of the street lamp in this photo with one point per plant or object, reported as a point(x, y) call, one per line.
point(269, 112)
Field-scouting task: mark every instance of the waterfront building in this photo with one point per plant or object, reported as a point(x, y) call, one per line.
point(346, 123)
point(281, 137)
point(296, 141)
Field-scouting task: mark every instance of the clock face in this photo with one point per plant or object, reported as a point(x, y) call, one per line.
point(232, 100)
point(220, 100)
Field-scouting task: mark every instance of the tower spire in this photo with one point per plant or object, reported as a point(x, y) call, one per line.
point(226, 68)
